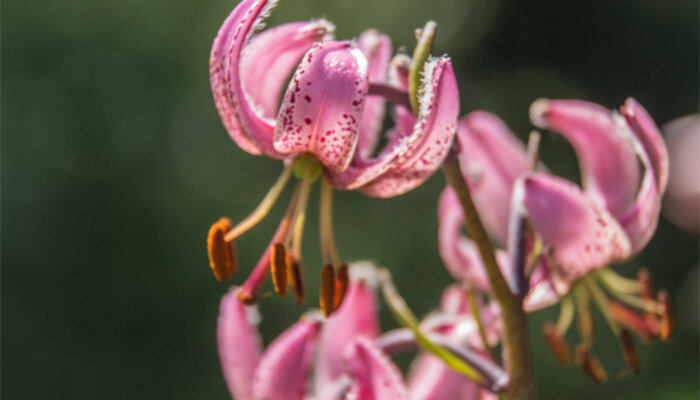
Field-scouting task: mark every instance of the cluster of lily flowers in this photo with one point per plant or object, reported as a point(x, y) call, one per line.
point(557, 239)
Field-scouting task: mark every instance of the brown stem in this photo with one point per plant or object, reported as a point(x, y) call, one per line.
point(516, 339)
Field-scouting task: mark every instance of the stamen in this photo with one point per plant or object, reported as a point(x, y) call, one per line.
point(341, 285)
point(629, 351)
point(221, 252)
point(602, 302)
point(264, 207)
point(647, 328)
point(297, 233)
point(327, 293)
point(590, 365)
point(248, 292)
point(327, 238)
point(618, 283)
point(668, 316)
point(646, 284)
point(556, 343)
point(296, 278)
point(278, 264)
point(566, 316)
point(585, 317)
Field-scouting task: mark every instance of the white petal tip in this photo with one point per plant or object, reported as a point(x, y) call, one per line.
point(537, 111)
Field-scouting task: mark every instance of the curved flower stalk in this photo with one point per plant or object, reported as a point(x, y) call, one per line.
point(341, 357)
point(565, 236)
point(327, 124)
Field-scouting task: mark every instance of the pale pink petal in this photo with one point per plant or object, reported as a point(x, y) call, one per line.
point(218, 64)
point(239, 346)
point(646, 131)
point(608, 164)
point(377, 49)
point(459, 253)
point(579, 234)
point(541, 294)
point(271, 56)
point(454, 300)
point(641, 219)
point(491, 158)
point(284, 368)
point(430, 379)
point(323, 105)
point(375, 376)
point(356, 317)
point(419, 155)
point(226, 60)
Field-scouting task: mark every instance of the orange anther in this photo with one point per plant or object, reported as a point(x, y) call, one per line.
point(590, 365)
point(629, 351)
point(668, 315)
point(297, 281)
point(278, 266)
point(556, 343)
point(327, 294)
point(341, 285)
point(221, 253)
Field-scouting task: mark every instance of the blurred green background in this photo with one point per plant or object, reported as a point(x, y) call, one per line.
point(115, 163)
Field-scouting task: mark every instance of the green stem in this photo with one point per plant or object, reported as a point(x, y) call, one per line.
point(516, 339)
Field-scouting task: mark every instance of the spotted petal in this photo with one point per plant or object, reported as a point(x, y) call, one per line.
point(271, 56)
point(323, 105)
point(375, 376)
point(608, 164)
point(283, 369)
point(580, 235)
point(491, 158)
point(377, 49)
point(356, 317)
point(239, 346)
point(226, 62)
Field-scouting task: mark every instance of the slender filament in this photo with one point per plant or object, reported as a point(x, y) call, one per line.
point(602, 302)
point(474, 308)
point(297, 232)
point(566, 316)
point(264, 207)
point(328, 246)
point(618, 283)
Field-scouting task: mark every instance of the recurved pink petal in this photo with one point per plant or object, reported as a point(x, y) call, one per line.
point(646, 131)
point(377, 49)
point(225, 73)
point(323, 105)
point(284, 368)
point(239, 346)
point(375, 375)
point(271, 56)
point(491, 158)
point(608, 164)
point(417, 156)
point(356, 317)
point(430, 379)
point(579, 234)
point(459, 253)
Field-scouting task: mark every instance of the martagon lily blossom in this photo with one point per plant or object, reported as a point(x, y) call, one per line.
point(344, 356)
point(328, 124)
point(563, 237)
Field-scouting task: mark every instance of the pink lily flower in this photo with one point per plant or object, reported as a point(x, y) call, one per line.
point(328, 122)
point(316, 358)
point(581, 231)
point(343, 356)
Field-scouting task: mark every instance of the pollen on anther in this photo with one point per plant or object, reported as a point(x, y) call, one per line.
point(278, 267)
point(556, 343)
point(341, 285)
point(296, 279)
point(668, 315)
point(222, 258)
point(327, 293)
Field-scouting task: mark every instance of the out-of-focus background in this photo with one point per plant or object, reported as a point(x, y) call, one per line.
point(115, 163)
